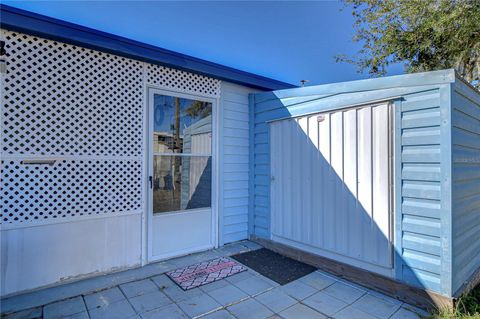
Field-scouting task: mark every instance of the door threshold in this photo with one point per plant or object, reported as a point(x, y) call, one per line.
point(180, 253)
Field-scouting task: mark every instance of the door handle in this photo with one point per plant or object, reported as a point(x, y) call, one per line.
point(150, 178)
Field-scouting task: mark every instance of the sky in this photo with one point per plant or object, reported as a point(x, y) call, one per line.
point(164, 113)
point(285, 40)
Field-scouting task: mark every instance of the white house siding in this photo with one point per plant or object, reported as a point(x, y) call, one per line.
point(83, 215)
point(235, 156)
point(41, 255)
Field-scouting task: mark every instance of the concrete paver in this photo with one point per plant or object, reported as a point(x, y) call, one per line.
point(352, 313)
point(377, 307)
point(298, 290)
point(220, 314)
point(250, 309)
point(324, 303)
point(138, 288)
point(117, 310)
point(299, 311)
point(318, 280)
point(172, 311)
point(228, 295)
point(276, 300)
point(103, 298)
point(150, 294)
point(199, 305)
point(62, 309)
point(150, 301)
point(344, 292)
point(254, 285)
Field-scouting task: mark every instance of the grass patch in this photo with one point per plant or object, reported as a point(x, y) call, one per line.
point(467, 307)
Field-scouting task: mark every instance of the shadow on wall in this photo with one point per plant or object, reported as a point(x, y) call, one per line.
point(202, 193)
point(331, 188)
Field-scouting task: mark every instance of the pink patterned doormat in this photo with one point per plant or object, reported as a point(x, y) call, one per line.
point(205, 272)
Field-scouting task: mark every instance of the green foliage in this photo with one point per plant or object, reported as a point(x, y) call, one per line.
point(424, 35)
point(467, 307)
point(199, 109)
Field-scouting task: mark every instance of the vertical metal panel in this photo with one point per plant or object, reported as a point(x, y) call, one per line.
point(315, 165)
point(350, 179)
point(380, 178)
point(336, 146)
point(324, 142)
point(314, 218)
point(365, 187)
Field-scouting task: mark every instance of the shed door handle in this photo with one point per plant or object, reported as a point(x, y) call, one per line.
point(150, 178)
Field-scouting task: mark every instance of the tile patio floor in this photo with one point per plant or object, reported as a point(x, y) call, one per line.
point(147, 293)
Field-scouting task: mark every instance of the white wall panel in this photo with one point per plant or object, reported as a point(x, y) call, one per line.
point(172, 238)
point(330, 189)
point(41, 255)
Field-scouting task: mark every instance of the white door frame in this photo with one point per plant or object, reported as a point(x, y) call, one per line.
point(148, 169)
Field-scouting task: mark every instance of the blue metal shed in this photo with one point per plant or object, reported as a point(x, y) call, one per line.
point(392, 164)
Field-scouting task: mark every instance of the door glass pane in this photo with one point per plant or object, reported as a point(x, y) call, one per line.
point(181, 183)
point(181, 125)
point(184, 126)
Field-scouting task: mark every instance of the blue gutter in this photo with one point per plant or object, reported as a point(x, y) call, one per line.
point(19, 20)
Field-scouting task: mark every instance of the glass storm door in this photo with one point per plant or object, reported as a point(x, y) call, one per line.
point(180, 174)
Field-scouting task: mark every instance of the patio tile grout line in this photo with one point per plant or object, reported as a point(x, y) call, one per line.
point(170, 298)
point(69, 298)
point(254, 274)
point(127, 299)
point(225, 307)
point(159, 289)
point(113, 274)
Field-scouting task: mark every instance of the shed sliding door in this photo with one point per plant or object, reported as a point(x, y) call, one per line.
point(330, 190)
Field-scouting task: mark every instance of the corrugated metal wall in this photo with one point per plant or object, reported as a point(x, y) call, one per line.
point(330, 184)
point(466, 183)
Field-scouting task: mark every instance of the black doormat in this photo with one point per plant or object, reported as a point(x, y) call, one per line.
point(278, 268)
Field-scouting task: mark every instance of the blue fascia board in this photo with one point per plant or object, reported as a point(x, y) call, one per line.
point(381, 83)
point(23, 21)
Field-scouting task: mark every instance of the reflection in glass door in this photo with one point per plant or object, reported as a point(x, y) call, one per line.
point(181, 183)
point(181, 171)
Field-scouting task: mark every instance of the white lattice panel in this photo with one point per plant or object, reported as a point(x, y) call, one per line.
point(182, 81)
point(85, 108)
point(69, 189)
point(62, 99)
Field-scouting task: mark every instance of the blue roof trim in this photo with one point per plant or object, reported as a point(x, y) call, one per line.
point(380, 83)
point(19, 20)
